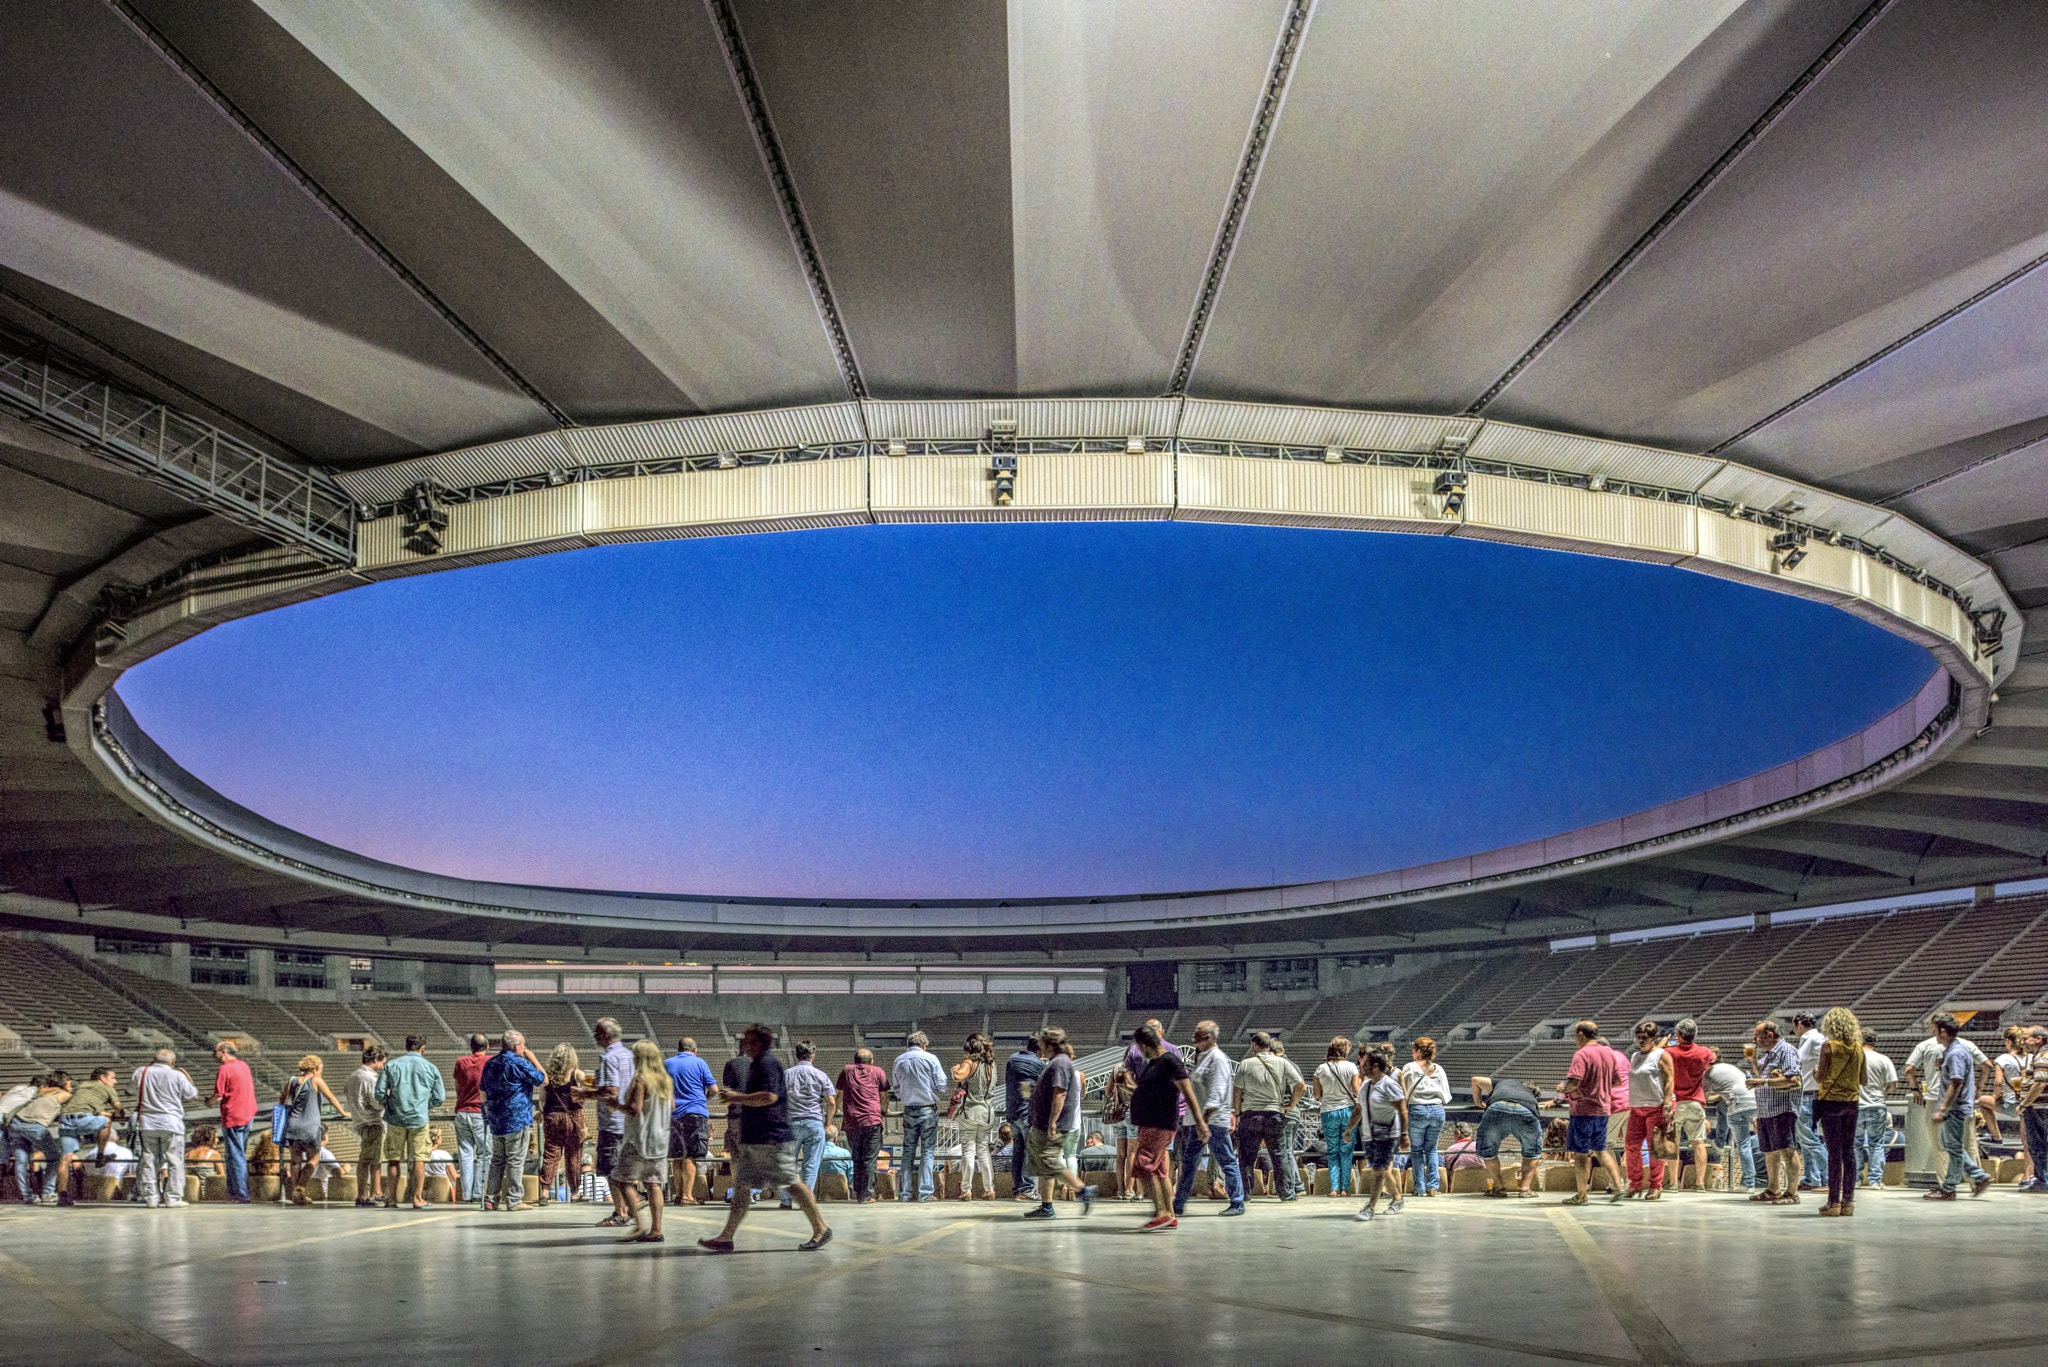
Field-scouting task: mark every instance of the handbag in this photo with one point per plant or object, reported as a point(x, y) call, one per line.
point(1663, 1144)
point(280, 1112)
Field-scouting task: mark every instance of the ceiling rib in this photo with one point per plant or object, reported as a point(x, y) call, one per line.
point(1278, 74)
point(2010, 278)
point(283, 160)
point(1978, 464)
point(1713, 173)
point(741, 67)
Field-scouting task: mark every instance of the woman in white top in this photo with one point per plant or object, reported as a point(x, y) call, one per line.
point(1381, 1121)
point(643, 1154)
point(2008, 1072)
point(1650, 1104)
point(1336, 1092)
point(1429, 1091)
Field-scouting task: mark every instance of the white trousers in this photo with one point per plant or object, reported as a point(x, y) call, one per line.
point(160, 1149)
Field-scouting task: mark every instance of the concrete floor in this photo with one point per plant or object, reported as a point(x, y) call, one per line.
point(1691, 1279)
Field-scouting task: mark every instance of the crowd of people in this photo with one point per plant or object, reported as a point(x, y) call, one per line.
point(1801, 1111)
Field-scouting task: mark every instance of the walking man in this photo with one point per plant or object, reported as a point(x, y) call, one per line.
point(919, 1082)
point(1162, 1087)
point(161, 1091)
point(858, 1093)
point(1267, 1087)
point(410, 1087)
point(689, 1122)
point(1596, 1074)
point(614, 1076)
point(506, 1085)
point(472, 1134)
point(763, 1147)
point(1055, 1114)
point(359, 1094)
point(1952, 1113)
point(234, 1088)
point(1020, 1072)
point(1215, 1082)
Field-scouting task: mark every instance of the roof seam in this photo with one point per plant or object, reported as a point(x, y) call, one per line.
point(1960, 470)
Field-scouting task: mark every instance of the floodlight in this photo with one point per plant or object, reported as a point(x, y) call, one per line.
point(1597, 483)
point(728, 461)
point(1450, 487)
point(422, 518)
point(557, 478)
point(1003, 470)
point(1333, 455)
point(1134, 446)
point(1790, 548)
point(899, 447)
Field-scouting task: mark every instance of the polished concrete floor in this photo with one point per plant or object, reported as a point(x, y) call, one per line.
point(1690, 1279)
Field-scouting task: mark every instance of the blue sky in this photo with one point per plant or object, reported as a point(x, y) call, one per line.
point(1028, 710)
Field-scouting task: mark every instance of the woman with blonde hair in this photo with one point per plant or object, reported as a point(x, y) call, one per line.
point(643, 1154)
point(561, 1124)
point(1837, 1102)
point(301, 1100)
point(1429, 1090)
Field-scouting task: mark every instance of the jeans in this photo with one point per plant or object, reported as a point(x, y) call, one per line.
point(1222, 1150)
point(1955, 1142)
point(1873, 1141)
point(1813, 1157)
point(1338, 1147)
point(1425, 1123)
point(810, 1149)
point(76, 1131)
point(864, 1142)
point(473, 1154)
point(920, 1151)
point(508, 1169)
point(1742, 1140)
point(1643, 1122)
point(234, 1142)
point(1257, 1129)
point(2034, 1128)
point(1019, 1183)
point(30, 1139)
point(1839, 1121)
point(160, 1149)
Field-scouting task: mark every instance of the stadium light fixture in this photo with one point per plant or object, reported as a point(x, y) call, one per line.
point(422, 520)
point(1597, 483)
point(1003, 470)
point(1134, 446)
point(1450, 487)
point(1333, 455)
point(899, 447)
point(1002, 434)
point(728, 461)
point(1790, 548)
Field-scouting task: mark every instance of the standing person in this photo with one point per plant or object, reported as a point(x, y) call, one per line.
point(161, 1091)
point(1596, 1074)
point(1835, 1104)
point(1775, 1085)
point(2007, 1077)
point(974, 1077)
point(919, 1081)
point(810, 1101)
point(614, 1075)
point(1336, 1088)
point(1214, 1079)
point(1873, 1118)
point(234, 1089)
point(1382, 1124)
point(689, 1125)
point(303, 1128)
point(1618, 1108)
point(1429, 1091)
point(763, 1149)
point(1055, 1114)
point(1924, 1081)
point(410, 1087)
point(561, 1123)
point(859, 1094)
point(88, 1113)
point(1020, 1072)
point(1689, 1063)
point(1952, 1113)
point(2034, 1106)
point(1650, 1093)
point(649, 1106)
point(35, 1129)
point(1813, 1158)
point(472, 1131)
point(1266, 1087)
point(360, 1095)
point(1512, 1112)
point(1726, 1087)
point(506, 1085)
point(1161, 1086)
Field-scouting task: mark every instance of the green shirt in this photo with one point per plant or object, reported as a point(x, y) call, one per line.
point(410, 1087)
point(92, 1098)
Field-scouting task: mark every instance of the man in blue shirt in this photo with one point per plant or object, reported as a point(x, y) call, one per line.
point(689, 1124)
point(1019, 1072)
point(919, 1082)
point(410, 1086)
point(508, 1083)
point(1952, 1112)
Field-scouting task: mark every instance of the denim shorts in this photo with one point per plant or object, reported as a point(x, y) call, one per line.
point(1123, 1130)
point(1588, 1134)
point(76, 1129)
point(1505, 1120)
point(1379, 1153)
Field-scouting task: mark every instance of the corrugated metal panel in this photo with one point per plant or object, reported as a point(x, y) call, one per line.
point(1111, 485)
point(1506, 441)
point(1732, 541)
point(938, 419)
point(1834, 567)
point(1915, 545)
point(1052, 418)
point(379, 543)
point(904, 482)
point(707, 434)
point(799, 489)
point(1740, 484)
point(759, 524)
point(1158, 514)
point(1341, 492)
point(1294, 425)
point(1239, 518)
point(1553, 510)
point(1095, 481)
point(462, 469)
point(536, 515)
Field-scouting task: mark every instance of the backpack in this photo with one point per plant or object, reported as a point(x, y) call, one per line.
point(15, 1099)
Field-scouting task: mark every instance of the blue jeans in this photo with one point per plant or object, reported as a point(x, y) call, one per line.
point(1019, 1183)
point(1955, 1136)
point(1338, 1147)
point(1813, 1155)
point(1873, 1140)
point(1425, 1123)
point(234, 1142)
point(30, 1139)
point(2034, 1130)
point(1222, 1149)
point(920, 1150)
point(1746, 1151)
point(75, 1130)
point(472, 1154)
point(810, 1149)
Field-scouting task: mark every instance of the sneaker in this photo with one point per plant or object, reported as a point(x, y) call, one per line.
point(1364, 1213)
point(175, 1201)
point(1394, 1206)
point(1238, 1209)
point(66, 1201)
point(1039, 1213)
point(1087, 1199)
point(1981, 1185)
point(1158, 1223)
point(1938, 1194)
point(786, 1205)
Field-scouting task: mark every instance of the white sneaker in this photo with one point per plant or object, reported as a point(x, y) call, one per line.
point(1364, 1213)
point(1394, 1206)
point(175, 1201)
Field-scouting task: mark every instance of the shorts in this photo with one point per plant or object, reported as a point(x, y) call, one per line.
point(1379, 1153)
point(1775, 1131)
point(765, 1165)
point(74, 1130)
point(370, 1141)
point(405, 1144)
point(633, 1166)
point(1689, 1122)
point(689, 1136)
point(1617, 1133)
point(1124, 1129)
point(608, 1142)
point(1586, 1134)
point(1151, 1157)
point(1505, 1120)
point(1042, 1157)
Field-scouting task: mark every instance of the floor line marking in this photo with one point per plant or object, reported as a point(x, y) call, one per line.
point(131, 1337)
point(1958, 1349)
point(1649, 1333)
point(649, 1343)
point(337, 1234)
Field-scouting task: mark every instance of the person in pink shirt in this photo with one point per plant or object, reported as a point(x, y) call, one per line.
point(235, 1089)
point(472, 1136)
point(1596, 1074)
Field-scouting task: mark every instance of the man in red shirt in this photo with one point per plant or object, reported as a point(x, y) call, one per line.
point(235, 1090)
point(858, 1092)
point(1689, 1063)
point(472, 1140)
point(1596, 1073)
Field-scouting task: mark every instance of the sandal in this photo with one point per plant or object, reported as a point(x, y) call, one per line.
point(1765, 1198)
point(613, 1221)
point(1574, 1201)
point(650, 1237)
